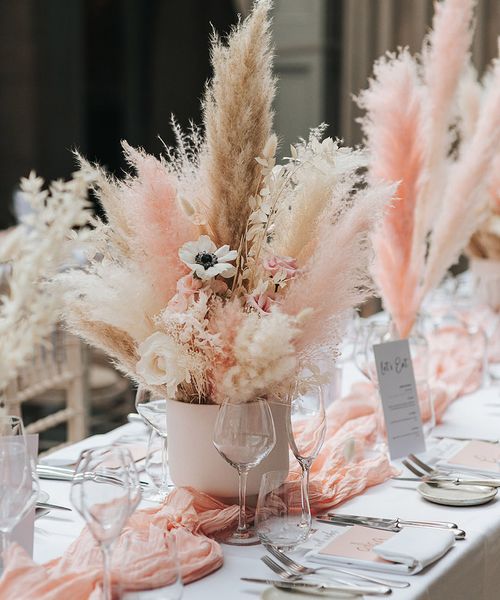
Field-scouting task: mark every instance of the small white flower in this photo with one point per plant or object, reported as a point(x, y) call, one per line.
point(162, 362)
point(205, 260)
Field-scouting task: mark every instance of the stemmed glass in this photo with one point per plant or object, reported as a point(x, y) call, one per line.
point(244, 435)
point(306, 427)
point(105, 491)
point(155, 467)
point(153, 410)
point(19, 486)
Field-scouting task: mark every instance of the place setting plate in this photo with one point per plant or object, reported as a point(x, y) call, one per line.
point(453, 495)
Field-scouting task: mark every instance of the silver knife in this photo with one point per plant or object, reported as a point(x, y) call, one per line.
point(395, 525)
point(319, 588)
point(54, 506)
point(465, 439)
point(445, 524)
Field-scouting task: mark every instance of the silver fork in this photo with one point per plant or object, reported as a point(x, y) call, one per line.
point(301, 569)
point(287, 575)
point(439, 479)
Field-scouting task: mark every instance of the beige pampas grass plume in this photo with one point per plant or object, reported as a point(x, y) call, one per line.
point(238, 119)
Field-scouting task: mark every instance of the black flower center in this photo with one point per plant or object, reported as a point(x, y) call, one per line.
point(206, 259)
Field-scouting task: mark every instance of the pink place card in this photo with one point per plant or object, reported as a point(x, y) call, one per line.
point(357, 543)
point(483, 456)
point(138, 452)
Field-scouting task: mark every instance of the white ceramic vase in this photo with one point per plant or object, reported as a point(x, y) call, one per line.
point(486, 274)
point(194, 462)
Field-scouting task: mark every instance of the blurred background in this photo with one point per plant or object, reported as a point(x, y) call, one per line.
point(86, 74)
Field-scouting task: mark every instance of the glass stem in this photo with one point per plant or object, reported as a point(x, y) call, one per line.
point(106, 575)
point(242, 489)
point(306, 511)
point(164, 465)
point(5, 543)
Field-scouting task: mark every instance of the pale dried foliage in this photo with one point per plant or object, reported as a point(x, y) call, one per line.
point(238, 120)
point(36, 250)
point(301, 230)
point(416, 110)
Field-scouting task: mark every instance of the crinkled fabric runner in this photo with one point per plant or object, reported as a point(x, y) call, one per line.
point(342, 470)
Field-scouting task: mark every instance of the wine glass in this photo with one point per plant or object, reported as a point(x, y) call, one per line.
point(19, 486)
point(306, 427)
point(244, 435)
point(155, 467)
point(105, 491)
point(153, 410)
point(279, 516)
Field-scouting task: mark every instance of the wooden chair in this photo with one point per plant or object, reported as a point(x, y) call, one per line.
point(58, 371)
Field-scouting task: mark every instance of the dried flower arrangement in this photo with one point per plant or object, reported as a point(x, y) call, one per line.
point(425, 130)
point(218, 271)
point(34, 251)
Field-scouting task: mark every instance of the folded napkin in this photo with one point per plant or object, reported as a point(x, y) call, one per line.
point(416, 547)
point(406, 552)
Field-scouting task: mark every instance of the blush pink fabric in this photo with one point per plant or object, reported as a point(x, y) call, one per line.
point(342, 470)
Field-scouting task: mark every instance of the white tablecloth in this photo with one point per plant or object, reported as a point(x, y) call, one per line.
point(470, 571)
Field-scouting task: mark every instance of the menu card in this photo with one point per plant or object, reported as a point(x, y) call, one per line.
point(398, 392)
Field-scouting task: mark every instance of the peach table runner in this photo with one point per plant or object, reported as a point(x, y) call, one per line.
point(343, 469)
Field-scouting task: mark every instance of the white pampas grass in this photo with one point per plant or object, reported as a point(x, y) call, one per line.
point(37, 249)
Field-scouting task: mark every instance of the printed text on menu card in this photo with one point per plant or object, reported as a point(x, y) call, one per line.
point(398, 392)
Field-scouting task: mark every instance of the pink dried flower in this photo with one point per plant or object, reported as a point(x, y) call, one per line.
point(281, 264)
point(187, 287)
point(261, 302)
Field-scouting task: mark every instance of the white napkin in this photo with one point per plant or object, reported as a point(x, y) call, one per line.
point(416, 547)
point(409, 551)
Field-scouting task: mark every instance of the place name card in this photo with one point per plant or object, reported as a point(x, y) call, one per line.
point(398, 393)
point(483, 456)
point(357, 543)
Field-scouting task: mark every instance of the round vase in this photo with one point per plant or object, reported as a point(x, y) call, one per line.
point(486, 274)
point(194, 461)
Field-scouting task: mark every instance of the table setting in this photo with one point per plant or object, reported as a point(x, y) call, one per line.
point(226, 282)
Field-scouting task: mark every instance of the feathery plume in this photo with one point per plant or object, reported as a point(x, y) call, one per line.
point(444, 55)
point(391, 127)
point(466, 199)
point(238, 119)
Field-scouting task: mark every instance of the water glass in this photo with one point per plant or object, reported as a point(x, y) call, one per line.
point(105, 491)
point(244, 435)
point(153, 410)
point(19, 485)
point(156, 461)
point(279, 516)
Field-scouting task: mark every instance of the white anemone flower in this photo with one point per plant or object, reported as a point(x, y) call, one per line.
point(206, 260)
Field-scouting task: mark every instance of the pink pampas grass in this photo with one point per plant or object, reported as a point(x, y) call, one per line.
point(411, 108)
point(391, 126)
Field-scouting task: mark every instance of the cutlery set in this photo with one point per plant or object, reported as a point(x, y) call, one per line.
point(66, 474)
point(395, 525)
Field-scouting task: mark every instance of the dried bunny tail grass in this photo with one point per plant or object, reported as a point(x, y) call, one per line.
point(391, 127)
point(444, 55)
point(334, 281)
point(238, 120)
point(466, 200)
